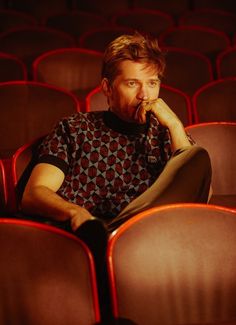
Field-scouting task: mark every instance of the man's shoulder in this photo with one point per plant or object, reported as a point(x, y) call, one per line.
point(80, 118)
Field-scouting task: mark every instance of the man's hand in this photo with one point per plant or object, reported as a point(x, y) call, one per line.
point(79, 216)
point(167, 118)
point(160, 109)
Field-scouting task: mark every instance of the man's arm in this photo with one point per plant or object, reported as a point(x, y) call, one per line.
point(169, 119)
point(40, 197)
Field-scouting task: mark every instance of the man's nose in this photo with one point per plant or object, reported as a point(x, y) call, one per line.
point(142, 93)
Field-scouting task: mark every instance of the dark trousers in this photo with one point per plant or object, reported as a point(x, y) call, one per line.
point(186, 178)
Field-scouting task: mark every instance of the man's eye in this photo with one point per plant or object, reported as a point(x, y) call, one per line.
point(154, 83)
point(132, 83)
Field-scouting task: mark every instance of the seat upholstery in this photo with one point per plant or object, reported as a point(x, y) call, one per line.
point(29, 42)
point(227, 5)
point(96, 100)
point(102, 7)
point(204, 40)
point(76, 70)
point(214, 18)
point(40, 9)
point(12, 18)
point(98, 38)
point(11, 68)
point(214, 102)
point(178, 101)
point(187, 70)
point(3, 189)
point(47, 276)
point(144, 20)
point(175, 264)
point(226, 63)
point(219, 140)
point(29, 110)
point(75, 22)
point(172, 7)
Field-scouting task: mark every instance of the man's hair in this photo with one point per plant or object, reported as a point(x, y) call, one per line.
point(137, 48)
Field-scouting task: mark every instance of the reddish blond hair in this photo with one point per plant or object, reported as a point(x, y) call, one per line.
point(138, 48)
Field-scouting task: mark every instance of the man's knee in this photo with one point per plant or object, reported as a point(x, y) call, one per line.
point(201, 156)
point(191, 161)
point(193, 152)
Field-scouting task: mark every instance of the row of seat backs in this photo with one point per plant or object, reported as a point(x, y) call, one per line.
point(174, 8)
point(136, 18)
point(27, 43)
point(172, 264)
point(78, 69)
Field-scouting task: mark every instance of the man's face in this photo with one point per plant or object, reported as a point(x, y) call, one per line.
point(137, 82)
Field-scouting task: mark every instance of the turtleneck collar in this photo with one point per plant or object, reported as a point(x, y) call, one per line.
point(115, 123)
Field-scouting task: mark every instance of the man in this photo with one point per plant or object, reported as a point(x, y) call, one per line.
point(114, 164)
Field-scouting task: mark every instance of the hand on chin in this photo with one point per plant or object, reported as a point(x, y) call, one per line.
point(140, 115)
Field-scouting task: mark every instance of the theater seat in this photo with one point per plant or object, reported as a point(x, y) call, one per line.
point(214, 102)
point(175, 264)
point(226, 63)
point(76, 70)
point(11, 68)
point(47, 276)
point(29, 110)
point(3, 189)
point(219, 140)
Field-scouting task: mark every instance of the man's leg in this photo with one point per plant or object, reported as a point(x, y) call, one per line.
point(185, 178)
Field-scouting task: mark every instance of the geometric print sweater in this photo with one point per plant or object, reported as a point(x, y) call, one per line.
point(107, 162)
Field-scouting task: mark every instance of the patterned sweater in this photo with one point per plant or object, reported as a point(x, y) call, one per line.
point(107, 162)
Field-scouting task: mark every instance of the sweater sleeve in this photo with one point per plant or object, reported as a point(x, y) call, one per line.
point(54, 149)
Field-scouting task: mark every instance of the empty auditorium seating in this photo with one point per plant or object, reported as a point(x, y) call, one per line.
point(215, 101)
point(175, 264)
point(76, 70)
point(29, 110)
point(226, 63)
point(21, 165)
point(227, 5)
point(144, 20)
point(96, 100)
point(48, 276)
point(186, 70)
point(214, 18)
point(12, 19)
point(205, 40)
point(29, 42)
point(98, 38)
point(102, 7)
point(40, 9)
point(11, 68)
point(172, 7)
point(219, 140)
point(178, 101)
point(75, 22)
point(3, 189)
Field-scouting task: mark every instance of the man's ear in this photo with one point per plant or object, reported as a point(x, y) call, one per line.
point(106, 87)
